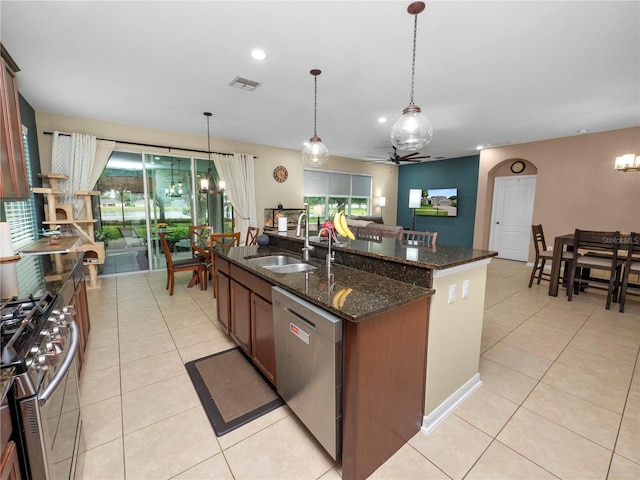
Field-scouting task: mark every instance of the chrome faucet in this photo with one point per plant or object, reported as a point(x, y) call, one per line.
point(330, 255)
point(306, 248)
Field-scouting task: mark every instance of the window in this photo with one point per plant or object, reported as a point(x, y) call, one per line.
point(21, 216)
point(327, 191)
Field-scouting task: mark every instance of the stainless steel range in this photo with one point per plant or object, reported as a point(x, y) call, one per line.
point(39, 340)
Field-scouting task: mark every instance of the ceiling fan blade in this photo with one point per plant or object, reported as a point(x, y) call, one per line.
point(410, 155)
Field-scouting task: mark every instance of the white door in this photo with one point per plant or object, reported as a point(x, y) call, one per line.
point(511, 216)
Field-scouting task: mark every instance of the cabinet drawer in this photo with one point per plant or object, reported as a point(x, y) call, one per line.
point(254, 283)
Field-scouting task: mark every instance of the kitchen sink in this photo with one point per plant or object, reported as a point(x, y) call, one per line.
point(281, 264)
point(292, 268)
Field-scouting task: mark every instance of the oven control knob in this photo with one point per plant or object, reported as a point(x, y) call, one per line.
point(69, 310)
point(44, 361)
point(60, 329)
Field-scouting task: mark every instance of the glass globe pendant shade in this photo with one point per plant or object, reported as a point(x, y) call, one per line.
point(412, 131)
point(315, 154)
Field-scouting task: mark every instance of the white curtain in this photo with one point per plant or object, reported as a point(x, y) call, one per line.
point(82, 158)
point(237, 173)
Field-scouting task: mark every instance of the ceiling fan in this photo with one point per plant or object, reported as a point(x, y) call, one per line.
point(395, 158)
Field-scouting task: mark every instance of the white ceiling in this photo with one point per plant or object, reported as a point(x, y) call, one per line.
point(487, 72)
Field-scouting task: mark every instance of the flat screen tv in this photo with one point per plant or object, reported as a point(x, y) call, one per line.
point(439, 202)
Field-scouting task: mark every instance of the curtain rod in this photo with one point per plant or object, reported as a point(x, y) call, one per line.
point(149, 145)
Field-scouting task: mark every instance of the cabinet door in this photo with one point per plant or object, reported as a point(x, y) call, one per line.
point(81, 306)
point(241, 315)
point(222, 298)
point(10, 463)
point(262, 340)
point(12, 163)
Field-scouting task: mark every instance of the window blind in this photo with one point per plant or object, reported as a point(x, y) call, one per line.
point(21, 216)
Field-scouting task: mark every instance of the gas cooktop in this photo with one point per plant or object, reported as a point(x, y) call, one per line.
point(21, 322)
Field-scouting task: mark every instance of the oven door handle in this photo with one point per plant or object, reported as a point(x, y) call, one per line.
point(44, 396)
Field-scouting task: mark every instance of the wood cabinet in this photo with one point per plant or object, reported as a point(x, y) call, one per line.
point(240, 329)
point(223, 305)
point(9, 461)
point(244, 310)
point(13, 171)
point(262, 339)
point(10, 464)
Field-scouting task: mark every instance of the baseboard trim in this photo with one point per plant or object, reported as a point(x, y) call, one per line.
point(432, 420)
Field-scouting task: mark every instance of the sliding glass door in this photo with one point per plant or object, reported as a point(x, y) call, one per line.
point(143, 194)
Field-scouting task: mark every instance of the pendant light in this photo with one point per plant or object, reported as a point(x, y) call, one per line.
point(413, 130)
point(315, 154)
point(204, 182)
point(209, 181)
point(174, 190)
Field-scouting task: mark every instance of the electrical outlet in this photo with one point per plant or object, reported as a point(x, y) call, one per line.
point(465, 289)
point(452, 293)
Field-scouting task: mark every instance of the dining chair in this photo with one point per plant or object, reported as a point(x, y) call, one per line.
point(224, 241)
point(199, 238)
point(419, 239)
point(252, 236)
point(185, 265)
point(631, 267)
point(543, 254)
point(601, 254)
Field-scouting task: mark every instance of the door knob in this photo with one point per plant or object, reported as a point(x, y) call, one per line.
point(498, 223)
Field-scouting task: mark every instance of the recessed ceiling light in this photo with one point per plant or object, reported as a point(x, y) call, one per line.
point(479, 147)
point(582, 131)
point(382, 120)
point(258, 54)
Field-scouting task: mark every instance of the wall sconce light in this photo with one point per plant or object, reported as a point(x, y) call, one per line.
point(415, 200)
point(629, 162)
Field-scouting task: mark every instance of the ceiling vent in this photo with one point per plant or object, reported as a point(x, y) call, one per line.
point(244, 84)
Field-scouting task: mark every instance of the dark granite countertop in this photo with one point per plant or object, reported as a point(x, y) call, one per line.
point(370, 295)
point(391, 249)
point(36, 274)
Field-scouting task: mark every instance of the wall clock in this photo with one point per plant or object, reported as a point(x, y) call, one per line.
point(517, 167)
point(280, 174)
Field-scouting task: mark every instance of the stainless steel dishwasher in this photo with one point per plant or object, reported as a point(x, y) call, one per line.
point(309, 365)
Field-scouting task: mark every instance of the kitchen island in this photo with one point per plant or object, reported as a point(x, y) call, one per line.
point(393, 352)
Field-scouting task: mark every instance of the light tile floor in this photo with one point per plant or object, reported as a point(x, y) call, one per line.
point(560, 395)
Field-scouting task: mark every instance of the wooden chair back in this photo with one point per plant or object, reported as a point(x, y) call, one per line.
point(252, 236)
point(225, 240)
point(369, 234)
point(599, 251)
point(419, 239)
point(539, 242)
point(631, 265)
point(199, 237)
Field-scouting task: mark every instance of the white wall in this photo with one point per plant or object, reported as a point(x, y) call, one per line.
point(268, 192)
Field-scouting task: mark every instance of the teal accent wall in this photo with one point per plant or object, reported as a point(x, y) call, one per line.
point(460, 173)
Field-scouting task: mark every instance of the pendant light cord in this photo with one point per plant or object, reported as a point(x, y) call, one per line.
point(208, 141)
point(315, 106)
point(413, 62)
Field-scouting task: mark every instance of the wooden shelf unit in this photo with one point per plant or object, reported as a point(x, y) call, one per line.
point(61, 214)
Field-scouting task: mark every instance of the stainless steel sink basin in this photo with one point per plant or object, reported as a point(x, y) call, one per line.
point(273, 260)
point(281, 264)
point(292, 268)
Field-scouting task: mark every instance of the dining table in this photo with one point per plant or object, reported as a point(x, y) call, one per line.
point(559, 244)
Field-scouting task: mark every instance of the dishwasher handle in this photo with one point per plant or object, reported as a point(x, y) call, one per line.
point(295, 314)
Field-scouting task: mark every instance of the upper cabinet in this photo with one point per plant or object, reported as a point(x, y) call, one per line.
point(13, 169)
